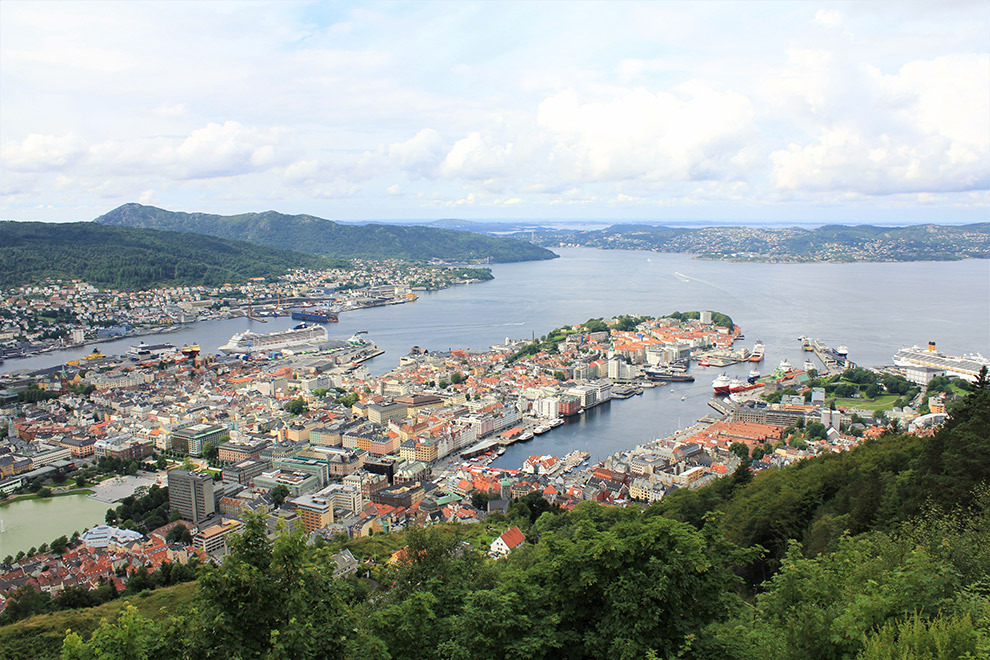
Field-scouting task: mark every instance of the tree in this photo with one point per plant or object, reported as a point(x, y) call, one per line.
point(179, 534)
point(297, 406)
point(80, 481)
point(60, 545)
point(210, 451)
point(457, 378)
point(161, 463)
point(278, 494)
point(739, 449)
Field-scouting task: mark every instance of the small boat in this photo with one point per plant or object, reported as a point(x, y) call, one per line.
point(683, 398)
point(704, 363)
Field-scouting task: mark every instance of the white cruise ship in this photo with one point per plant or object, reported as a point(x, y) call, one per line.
point(299, 337)
point(966, 366)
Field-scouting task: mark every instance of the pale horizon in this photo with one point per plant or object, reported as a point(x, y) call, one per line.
point(718, 113)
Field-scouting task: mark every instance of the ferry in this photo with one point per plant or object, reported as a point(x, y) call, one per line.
point(757, 354)
point(667, 375)
point(300, 337)
point(806, 344)
point(541, 429)
point(144, 351)
point(843, 351)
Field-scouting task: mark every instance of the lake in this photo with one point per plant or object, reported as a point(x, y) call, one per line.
point(29, 523)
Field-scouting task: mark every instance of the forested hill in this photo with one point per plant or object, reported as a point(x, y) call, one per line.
point(314, 235)
point(836, 243)
point(132, 258)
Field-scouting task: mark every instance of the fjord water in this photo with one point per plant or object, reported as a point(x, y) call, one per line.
point(873, 308)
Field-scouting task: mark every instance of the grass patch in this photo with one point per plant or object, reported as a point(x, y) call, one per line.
point(40, 637)
point(885, 402)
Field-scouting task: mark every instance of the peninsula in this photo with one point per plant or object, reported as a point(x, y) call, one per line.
point(831, 243)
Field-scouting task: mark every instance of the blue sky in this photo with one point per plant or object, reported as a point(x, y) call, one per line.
point(770, 112)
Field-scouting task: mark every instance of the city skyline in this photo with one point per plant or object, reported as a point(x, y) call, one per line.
point(726, 113)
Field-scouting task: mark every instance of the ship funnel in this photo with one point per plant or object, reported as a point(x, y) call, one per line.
point(931, 347)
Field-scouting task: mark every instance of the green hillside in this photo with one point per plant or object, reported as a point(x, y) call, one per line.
point(308, 233)
point(133, 258)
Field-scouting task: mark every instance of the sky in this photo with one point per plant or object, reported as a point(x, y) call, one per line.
point(730, 112)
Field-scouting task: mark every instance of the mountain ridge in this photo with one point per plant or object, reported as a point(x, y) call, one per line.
point(315, 235)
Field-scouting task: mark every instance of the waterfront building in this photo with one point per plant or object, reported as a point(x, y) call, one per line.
point(191, 495)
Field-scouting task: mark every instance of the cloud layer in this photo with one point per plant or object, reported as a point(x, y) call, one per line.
point(655, 110)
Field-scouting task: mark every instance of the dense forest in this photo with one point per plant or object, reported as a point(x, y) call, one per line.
point(874, 554)
point(314, 235)
point(131, 258)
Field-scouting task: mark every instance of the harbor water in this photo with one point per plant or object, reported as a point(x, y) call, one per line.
point(873, 308)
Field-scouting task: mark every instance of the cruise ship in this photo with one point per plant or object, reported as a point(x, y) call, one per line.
point(966, 366)
point(300, 337)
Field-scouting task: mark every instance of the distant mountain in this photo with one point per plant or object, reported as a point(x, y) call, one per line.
point(839, 243)
point(308, 233)
point(133, 258)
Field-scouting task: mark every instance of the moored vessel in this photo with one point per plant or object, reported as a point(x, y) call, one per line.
point(721, 384)
point(757, 354)
point(302, 336)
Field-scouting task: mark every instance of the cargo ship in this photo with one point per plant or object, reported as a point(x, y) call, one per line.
point(300, 337)
point(315, 316)
point(757, 354)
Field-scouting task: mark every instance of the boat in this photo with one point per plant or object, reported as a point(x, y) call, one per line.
point(683, 398)
point(190, 350)
point(300, 337)
point(704, 363)
point(737, 384)
point(150, 351)
point(541, 429)
point(315, 316)
point(556, 422)
point(95, 355)
point(964, 366)
point(784, 365)
point(808, 365)
point(843, 350)
point(754, 375)
point(667, 376)
point(525, 435)
point(806, 344)
point(757, 354)
point(721, 384)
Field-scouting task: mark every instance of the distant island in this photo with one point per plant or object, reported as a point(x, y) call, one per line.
point(129, 258)
point(313, 235)
point(831, 243)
